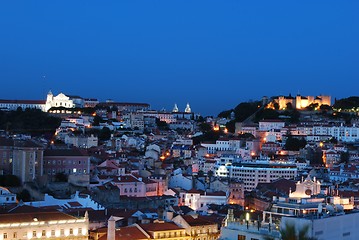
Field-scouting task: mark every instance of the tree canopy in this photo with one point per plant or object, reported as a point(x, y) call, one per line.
point(33, 121)
point(347, 103)
point(294, 144)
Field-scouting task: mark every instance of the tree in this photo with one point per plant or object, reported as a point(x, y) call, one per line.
point(105, 134)
point(289, 232)
point(294, 144)
point(96, 120)
point(162, 125)
point(347, 103)
point(325, 107)
point(344, 157)
point(24, 195)
point(312, 107)
point(276, 105)
point(267, 114)
point(10, 181)
point(245, 109)
point(289, 106)
point(210, 174)
point(231, 126)
point(61, 177)
point(205, 127)
point(225, 114)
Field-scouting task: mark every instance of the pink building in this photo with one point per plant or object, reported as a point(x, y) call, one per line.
point(132, 186)
point(70, 161)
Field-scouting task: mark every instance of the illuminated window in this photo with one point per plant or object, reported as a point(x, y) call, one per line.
point(62, 232)
point(241, 237)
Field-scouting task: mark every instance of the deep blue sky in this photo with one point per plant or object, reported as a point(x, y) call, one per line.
point(213, 54)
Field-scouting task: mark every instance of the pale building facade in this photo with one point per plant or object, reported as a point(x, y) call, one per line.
point(252, 174)
point(26, 222)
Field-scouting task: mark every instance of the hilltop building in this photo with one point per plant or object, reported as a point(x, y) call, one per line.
point(301, 102)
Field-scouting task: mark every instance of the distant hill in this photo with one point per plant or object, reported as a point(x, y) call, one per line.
point(347, 103)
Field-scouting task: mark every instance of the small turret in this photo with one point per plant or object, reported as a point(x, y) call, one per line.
point(175, 108)
point(188, 108)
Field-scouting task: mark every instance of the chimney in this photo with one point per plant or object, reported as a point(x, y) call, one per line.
point(111, 228)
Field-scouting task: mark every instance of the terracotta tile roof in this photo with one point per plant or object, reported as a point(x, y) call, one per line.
point(126, 178)
point(101, 216)
point(221, 193)
point(64, 152)
point(52, 207)
point(74, 204)
point(157, 227)
point(22, 101)
point(195, 191)
point(148, 181)
point(28, 214)
point(127, 233)
point(6, 142)
point(280, 185)
point(272, 120)
point(198, 221)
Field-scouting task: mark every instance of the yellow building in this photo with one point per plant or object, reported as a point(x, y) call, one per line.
point(26, 222)
point(156, 230)
point(198, 227)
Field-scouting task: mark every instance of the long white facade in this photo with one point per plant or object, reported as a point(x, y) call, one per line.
point(252, 174)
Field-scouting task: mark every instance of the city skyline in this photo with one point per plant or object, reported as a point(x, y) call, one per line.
point(211, 55)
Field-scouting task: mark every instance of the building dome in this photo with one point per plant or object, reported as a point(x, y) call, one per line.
point(188, 108)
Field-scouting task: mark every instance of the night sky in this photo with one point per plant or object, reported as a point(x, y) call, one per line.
point(212, 54)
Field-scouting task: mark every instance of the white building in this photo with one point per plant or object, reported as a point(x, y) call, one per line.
point(251, 173)
point(199, 200)
point(61, 100)
point(12, 105)
point(223, 145)
point(268, 125)
point(327, 227)
point(181, 181)
point(82, 141)
point(6, 197)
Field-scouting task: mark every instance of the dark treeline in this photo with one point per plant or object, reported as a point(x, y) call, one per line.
point(31, 121)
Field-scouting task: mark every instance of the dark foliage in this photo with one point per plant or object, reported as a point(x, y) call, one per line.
point(225, 114)
point(32, 121)
point(266, 114)
point(294, 144)
point(210, 136)
point(347, 103)
point(9, 181)
point(61, 177)
point(162, 125)
point(231, 126)
point(344, 157)
point(245, 109)
point(104, 134)
point(24, 195)
point(205, 127)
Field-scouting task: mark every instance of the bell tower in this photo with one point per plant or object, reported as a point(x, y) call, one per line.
point(49, 99)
